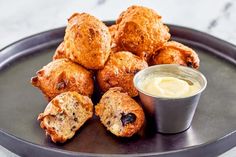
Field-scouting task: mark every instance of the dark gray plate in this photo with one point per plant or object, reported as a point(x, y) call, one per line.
point(213, 130)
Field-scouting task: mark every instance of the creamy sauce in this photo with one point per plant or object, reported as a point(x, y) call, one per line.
point(169, 86)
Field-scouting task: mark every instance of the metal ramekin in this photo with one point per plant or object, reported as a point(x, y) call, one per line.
point(170, 115)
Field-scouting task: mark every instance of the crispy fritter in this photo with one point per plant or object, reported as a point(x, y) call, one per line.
point(64, 115)
point(87, 41)
point(112, 30)
point(60, 52)
point(119, 113)
point(141, 31)
point(119, 72)
point(114, 46)
point(176, 53)
point(63, 75)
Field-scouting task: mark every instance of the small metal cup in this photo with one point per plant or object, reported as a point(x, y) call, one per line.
point(170, 115)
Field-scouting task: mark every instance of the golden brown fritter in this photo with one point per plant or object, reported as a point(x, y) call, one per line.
point(119, 72)
point(87, 41)
point(63, 75)
point(64, 115)
point(119, 113)
point(60, 52)
point(141, 31)
point(112, 30)
point(114, 46)
point(176, 53)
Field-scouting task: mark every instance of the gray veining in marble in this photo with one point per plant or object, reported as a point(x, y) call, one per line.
point(21, 18)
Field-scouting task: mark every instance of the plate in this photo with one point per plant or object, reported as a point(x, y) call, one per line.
point(213, 129)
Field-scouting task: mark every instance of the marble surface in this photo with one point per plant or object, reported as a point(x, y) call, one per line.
point(19, 19)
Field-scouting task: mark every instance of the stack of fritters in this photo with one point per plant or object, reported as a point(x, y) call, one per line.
point(114, 55)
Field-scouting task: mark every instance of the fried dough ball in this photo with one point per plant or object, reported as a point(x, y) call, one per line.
point(87, 41)
point(63, 75)
point(119, 113)
point(64, 115)
point(114, 46)
point(176, 53)
point(112, 30)
point(141, 31)
point(119, 72)
point(60, 52)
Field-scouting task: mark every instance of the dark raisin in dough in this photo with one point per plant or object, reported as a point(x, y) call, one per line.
point(128, 118)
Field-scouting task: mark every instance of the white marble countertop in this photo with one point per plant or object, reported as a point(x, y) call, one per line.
point(19, 19)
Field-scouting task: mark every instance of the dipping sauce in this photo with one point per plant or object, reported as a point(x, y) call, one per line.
point(169, 86)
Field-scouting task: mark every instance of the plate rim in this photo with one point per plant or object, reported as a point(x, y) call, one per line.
point(188, 149)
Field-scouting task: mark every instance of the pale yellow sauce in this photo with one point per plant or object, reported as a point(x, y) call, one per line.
point(168, 86)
